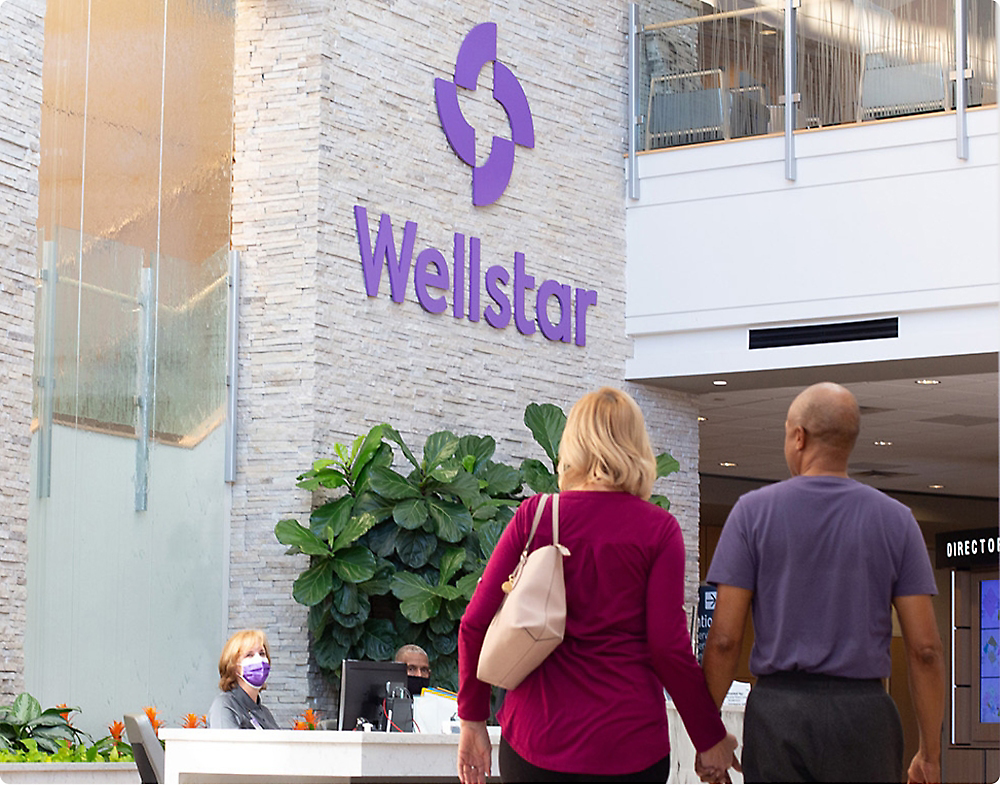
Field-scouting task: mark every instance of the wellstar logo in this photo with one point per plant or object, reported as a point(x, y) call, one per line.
point(490, 180)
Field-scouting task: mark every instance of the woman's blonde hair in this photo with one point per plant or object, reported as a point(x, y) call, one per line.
point(605, 441)
point(236, 649)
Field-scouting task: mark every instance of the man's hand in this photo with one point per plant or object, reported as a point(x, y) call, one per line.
point(923, 770)
point(475, 752)
point(713, 764)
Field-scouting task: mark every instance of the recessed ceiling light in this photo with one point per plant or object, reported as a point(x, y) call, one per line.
point(720, 382)
point(702, 419)
point(727, 464)
point(927, 381)
point(881, 443)
point(936, 487)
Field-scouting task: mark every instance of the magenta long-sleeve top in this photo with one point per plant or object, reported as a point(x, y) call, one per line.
point(596, 704)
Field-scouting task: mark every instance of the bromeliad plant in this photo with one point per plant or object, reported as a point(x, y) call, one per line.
point(395, 558)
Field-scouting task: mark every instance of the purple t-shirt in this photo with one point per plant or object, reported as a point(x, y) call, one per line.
point(824, 556)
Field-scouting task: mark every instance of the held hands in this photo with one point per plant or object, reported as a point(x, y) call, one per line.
point(474, 752)
point(713, 764)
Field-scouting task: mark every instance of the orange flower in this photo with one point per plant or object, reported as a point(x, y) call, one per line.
point(117, 729)
point(157, 724)
point(194, 721)
point(63, 714)
point(309, 721)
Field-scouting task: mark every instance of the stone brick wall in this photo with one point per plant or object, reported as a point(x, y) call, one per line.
point(335, 108)
point(21, 39)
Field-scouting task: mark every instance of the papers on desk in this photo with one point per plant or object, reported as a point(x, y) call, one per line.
point(435, 710)
point(737, 695)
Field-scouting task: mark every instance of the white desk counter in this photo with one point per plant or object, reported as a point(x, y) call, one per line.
point(262, 756)
point(227, 756)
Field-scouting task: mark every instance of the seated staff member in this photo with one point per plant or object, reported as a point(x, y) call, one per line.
point(418, 667)
point(243, 668)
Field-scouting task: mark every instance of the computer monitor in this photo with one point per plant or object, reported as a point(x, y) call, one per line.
point(373, 691)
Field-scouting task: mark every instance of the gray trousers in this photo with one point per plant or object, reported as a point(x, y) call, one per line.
point(809, 728)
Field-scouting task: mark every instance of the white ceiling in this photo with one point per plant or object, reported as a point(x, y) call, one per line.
point(943, 434)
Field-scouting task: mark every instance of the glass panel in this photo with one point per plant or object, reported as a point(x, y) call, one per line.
point(873, 59)
point(982, 52)
point(712, 75)
point(989, 663)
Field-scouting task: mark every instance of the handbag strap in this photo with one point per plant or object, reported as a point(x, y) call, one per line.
point(538, 517)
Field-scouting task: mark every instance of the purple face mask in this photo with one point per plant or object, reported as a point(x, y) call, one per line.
point(255, 672)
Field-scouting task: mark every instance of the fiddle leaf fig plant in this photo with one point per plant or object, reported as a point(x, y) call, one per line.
point(395, 557)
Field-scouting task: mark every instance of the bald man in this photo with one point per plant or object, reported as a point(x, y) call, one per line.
point(821, 559)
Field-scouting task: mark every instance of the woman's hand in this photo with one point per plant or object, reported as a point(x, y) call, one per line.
point(475, 752)
point(713, 764)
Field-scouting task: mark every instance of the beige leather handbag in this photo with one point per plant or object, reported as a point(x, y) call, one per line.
point(531, 620)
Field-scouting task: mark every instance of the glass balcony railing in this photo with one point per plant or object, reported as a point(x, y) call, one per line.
point(716, 70)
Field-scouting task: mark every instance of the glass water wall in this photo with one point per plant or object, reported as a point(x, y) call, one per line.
point(127, 536)
point(714, 70)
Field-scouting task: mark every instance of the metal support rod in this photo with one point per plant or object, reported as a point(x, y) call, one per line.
point(791, 64)
point(144, 387)
point(232, 363)
point(961, 99)
point(47, 382)
point(633, 100)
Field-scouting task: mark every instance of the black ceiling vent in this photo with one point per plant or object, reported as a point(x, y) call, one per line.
point(868, 330)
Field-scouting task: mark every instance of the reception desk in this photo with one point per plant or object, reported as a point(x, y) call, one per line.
point(295, 756)
point(228, 756)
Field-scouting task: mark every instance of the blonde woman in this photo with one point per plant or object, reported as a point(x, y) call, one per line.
point(243, 668)
point(594, 710)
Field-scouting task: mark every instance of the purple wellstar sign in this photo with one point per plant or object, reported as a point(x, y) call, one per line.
point(490, 180)
point(432, 280)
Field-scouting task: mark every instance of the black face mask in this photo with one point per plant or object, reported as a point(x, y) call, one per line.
point(416, 683)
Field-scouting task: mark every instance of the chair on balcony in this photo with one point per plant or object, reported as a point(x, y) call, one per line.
point(685, 109)
point(146, 748)
point(891, 89)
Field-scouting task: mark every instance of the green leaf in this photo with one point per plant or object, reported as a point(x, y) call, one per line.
point(353, 621)
point(392, 435)
point(325, 478)
point(464, 485)
point(314, 584)
point(415, 547)
point(467, 584)
point(355, 527)
point(438, 448)
point(446, 592)
point(369, 502)
point(660, 501)
point(536, 475)
point(318, 618)
point(489, 536)
point(441, 624)
point(445, 644)
point(451, 562)
point(390, 485)
point(346, 599)
point(293, 533)
point(447, 473)
point(334, 514)
point(500, 479)
point(666, 464)
point(481, 448)
point(451, 521)
point(410, 513)
point(330, 653)
point(24, 709)
point(382, 539)
point(375, 587)
point(378, 640)
point(366, 451)
point(422, 608)
point(354, 565)
point(546, 422)
point(406, 585)
point(383, 458)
